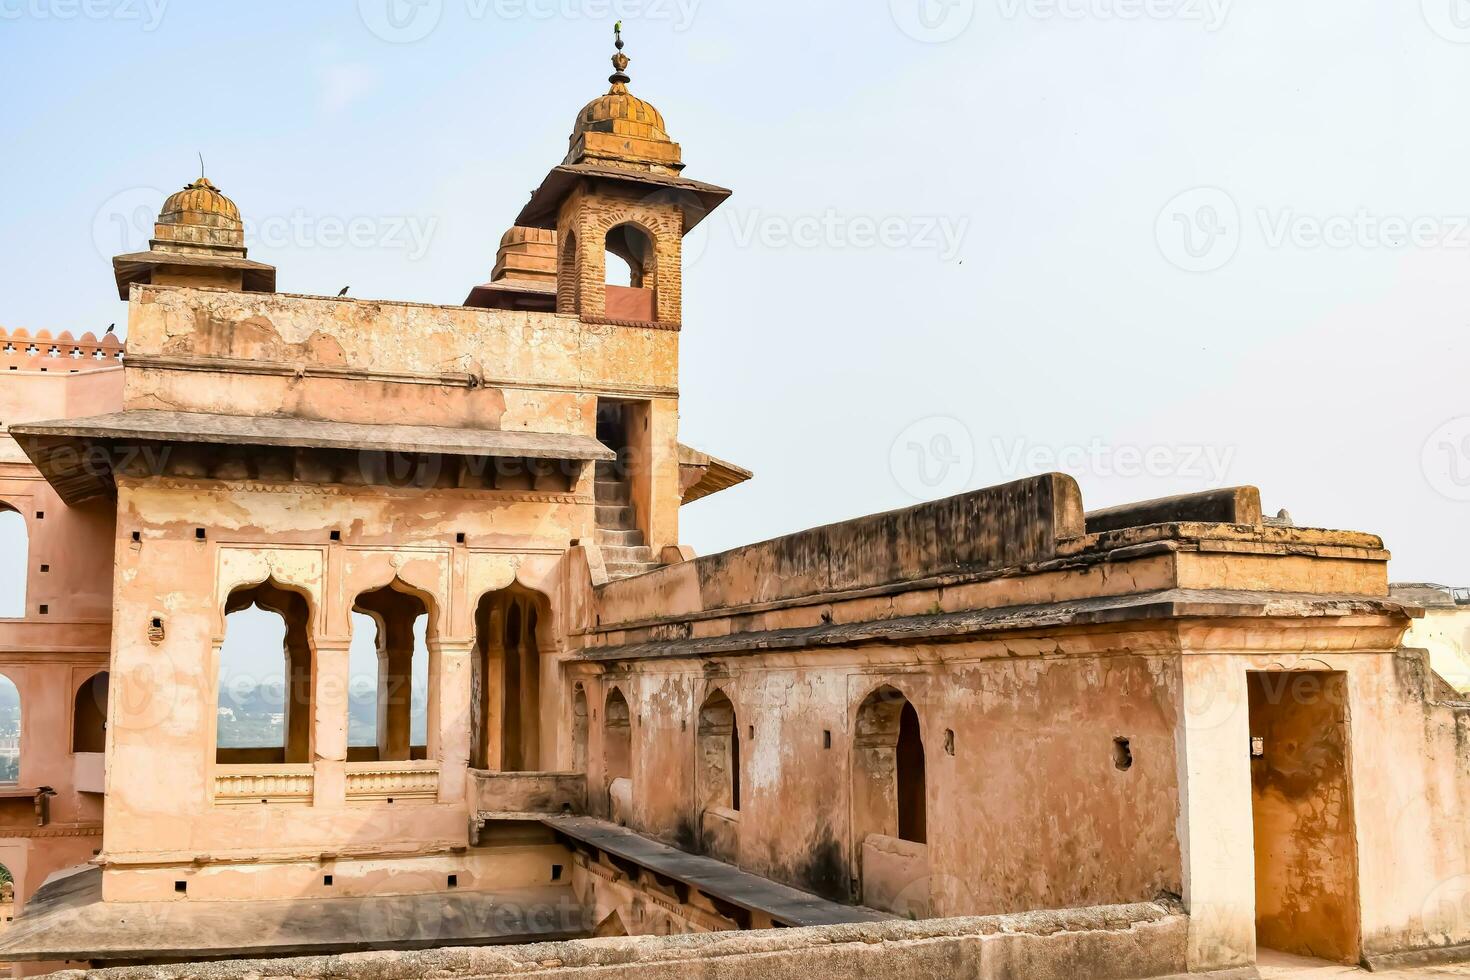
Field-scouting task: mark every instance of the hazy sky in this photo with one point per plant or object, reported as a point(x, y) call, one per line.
point(1161, 244)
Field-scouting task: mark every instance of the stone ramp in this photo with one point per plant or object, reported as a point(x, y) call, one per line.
point(785, 905)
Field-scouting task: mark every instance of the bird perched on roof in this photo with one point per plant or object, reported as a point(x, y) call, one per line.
point(111, 327)
point(344, 291)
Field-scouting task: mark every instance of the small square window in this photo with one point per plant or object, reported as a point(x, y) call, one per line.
point(45, 568)
point(336, 535)
point(40, 515)
point(327, 881)
point(199, 534)
point(137, 536)
point(45, 609)
point(454, 881)
point(556, 872)
point(182, 887)
point(827, 739)
point(459, 538)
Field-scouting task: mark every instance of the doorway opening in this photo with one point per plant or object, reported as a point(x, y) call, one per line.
point(1302, 812)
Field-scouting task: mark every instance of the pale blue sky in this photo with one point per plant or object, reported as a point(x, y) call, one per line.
point(1047, 291)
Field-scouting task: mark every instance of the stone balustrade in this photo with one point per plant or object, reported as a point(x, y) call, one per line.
point(247, 784)
point(391, 782)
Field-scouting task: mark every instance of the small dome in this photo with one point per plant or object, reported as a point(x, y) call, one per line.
point(199, 215)
point(621, 112)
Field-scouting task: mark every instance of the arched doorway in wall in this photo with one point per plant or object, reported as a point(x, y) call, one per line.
point(14, 562)
point(89, 715)
point(580, 723)
point(10, 731)
point(617, 755)
point(717, 776)
point(389, 687)
point(889, 803)
point(264, 702)
point(510, 636)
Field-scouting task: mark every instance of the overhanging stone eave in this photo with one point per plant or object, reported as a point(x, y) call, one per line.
point(62, 450)
point(1161, 605)
point(541, 210)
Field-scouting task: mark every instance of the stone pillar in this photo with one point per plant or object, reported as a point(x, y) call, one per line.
point(449, 714)
point(331, 721)
point(395, 688)
point(1216, 836)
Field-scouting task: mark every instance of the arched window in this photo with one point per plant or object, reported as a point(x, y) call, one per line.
point(579, 728)
point(14, 563)
point(9, 731)
point(630, 257)
point(89, 715)
point(507, 680)
point(617, 752)
point(630, 274)
point(718, 757)
point(388, 684)
point(568, 288)
point(264, 712)
point(888, 769)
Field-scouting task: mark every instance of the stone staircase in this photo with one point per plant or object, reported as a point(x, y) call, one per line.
point(623, 547)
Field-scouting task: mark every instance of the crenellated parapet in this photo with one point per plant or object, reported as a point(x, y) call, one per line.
point(20, 350)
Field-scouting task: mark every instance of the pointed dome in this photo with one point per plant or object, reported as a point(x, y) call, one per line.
point(199, 216)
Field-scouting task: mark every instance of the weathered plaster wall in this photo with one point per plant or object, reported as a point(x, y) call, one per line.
point(1030, 792)
point(49, 654)
point(1445, 633)
point(347, 360)
point(162, 806)
point(1409, 789)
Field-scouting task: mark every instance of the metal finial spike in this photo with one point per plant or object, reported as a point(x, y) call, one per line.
point(620, 61)
point(201, 166)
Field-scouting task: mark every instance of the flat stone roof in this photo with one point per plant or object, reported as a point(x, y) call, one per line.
point(67, 920)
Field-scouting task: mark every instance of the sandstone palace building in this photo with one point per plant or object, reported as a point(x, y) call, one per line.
point(1150, 739)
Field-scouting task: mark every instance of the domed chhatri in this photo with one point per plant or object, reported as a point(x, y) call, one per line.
point(198, 240)
point(200, 217)
point(620, 129)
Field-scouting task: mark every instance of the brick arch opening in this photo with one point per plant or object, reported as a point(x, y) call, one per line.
point(630, 265)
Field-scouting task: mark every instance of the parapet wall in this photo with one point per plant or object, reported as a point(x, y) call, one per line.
point(998, 527)
point(1105, 943)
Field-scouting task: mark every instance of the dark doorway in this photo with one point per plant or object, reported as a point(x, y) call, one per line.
point(1302, 806)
